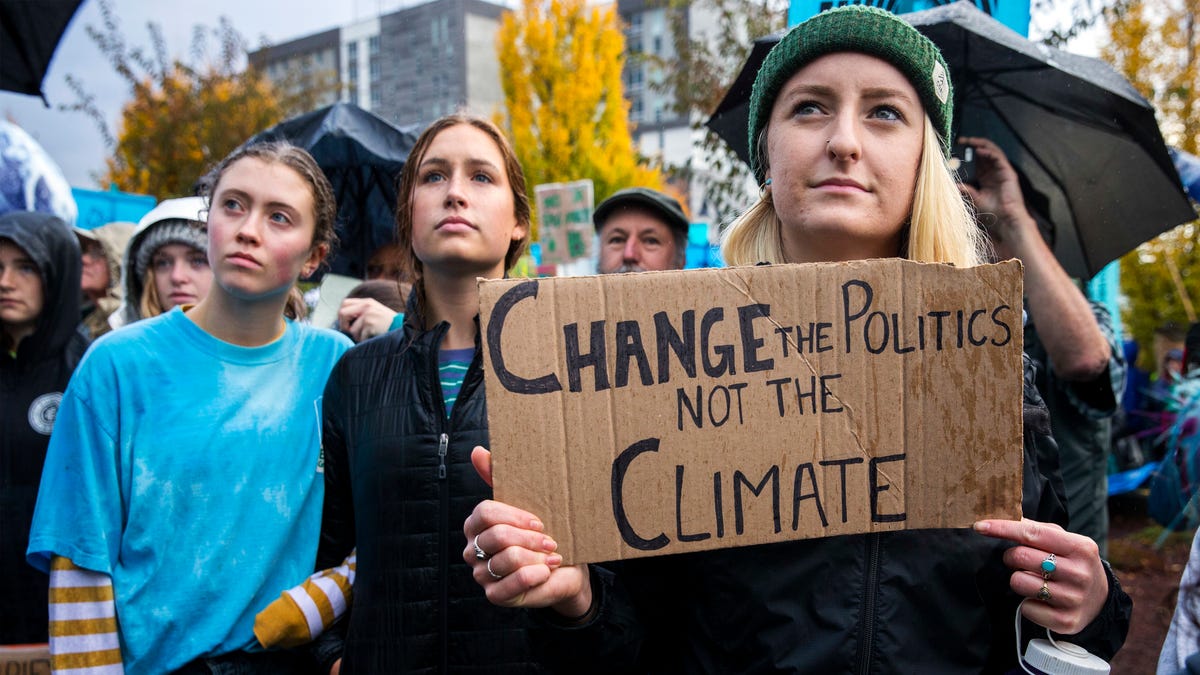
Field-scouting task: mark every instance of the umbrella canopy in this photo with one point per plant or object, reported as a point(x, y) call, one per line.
point(1082, 137)
point(29, 34)
point(362, 155)
point(29, 179)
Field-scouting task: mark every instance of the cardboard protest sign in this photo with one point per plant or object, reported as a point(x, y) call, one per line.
point(564, 213)
point(25, 659)
point(664, 412)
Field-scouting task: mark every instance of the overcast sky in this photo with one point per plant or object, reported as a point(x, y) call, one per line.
point(73, 140)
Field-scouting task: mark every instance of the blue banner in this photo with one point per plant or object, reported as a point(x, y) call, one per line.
point(1011, 13)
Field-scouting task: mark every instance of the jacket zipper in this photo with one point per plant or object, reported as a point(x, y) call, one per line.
point(443, 443)
point(866, 618)
point(443, 505)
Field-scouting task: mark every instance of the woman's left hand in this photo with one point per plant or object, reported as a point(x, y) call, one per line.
point(1076, 586)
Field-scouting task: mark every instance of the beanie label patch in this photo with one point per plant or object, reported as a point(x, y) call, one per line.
point(941, 82)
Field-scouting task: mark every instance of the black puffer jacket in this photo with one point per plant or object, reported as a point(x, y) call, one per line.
point(399, 483)
point(921, 601)
point(31, 386)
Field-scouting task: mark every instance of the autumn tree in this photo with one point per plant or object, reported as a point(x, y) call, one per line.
point(696, 76)
point(1154, 45)
point(1059, 22)
point(560, 68)
point(184, 116)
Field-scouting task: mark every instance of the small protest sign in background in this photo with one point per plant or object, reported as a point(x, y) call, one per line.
point(664, 412)
point(564, 213)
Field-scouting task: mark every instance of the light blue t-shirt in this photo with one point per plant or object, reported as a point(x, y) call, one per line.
point(188, 469)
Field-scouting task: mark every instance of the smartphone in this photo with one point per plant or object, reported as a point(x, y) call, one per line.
point(962, 160)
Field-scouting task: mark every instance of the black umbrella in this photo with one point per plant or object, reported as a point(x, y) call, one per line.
point(1080, 134)
point(29, 34)
point(362, 155)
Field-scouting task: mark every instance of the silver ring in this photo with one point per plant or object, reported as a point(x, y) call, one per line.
point(489, 569)
point(480, 554)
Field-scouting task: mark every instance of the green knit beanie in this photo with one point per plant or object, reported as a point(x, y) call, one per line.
point(854, 28)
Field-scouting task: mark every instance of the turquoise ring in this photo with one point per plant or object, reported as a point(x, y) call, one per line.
point(1048, 566)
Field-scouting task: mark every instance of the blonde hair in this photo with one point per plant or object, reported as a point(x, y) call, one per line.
point(149, 304)
point(940, 228)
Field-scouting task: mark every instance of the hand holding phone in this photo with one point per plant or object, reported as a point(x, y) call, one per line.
point(962, 160)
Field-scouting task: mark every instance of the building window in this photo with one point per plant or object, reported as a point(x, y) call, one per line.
point(635, 110)
point(635, 78)
point(352, 51)
point(635, 23)
point(439, 30)
point(373, 45)
point(376, 70)
point(376, 97)
point(657, 45)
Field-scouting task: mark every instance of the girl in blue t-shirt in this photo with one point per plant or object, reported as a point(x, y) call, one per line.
point(183, 486)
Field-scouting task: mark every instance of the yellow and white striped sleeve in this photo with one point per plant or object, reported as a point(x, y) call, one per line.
point(83, 621)
point(303, 612)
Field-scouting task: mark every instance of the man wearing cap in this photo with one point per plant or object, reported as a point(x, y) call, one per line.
point(641, 230)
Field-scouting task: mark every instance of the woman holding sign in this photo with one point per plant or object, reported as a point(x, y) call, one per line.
point(402, 413)
point(850, 123)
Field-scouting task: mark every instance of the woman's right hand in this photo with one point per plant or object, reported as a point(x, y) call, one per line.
point(520, 567)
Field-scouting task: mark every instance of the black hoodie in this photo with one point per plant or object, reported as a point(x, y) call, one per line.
point(31, 387)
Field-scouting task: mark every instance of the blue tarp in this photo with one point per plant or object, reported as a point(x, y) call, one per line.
point(1128, 481)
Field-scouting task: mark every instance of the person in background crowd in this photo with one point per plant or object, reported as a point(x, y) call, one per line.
point(402, 413)
point(183, 488)
point(387, 294)
point(1173, 503)
point(1080, 363)
point(101, 283)
point(39, 349)
point(850, 120)
point(364, 316)
point(641, 230)
point(166, 261)
point(387, 262)
point(1180, 654)
point(1130, 442)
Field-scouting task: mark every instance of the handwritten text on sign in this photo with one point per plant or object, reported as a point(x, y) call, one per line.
point(657, 413)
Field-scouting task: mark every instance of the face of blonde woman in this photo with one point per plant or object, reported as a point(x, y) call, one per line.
point(843, 149)
point(181, 274)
